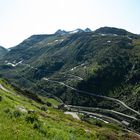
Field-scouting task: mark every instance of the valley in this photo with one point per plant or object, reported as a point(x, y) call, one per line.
point(94, 74)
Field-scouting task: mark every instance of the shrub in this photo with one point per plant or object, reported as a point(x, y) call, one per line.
point(11, 114)
point(98, 123)
point(16, 113)
point(6, 110)
point(44, 108)
point(0, 98)
point(37, 125)
point(31, 118)
point(31, 111)
point(42, 130)
point(49, 104)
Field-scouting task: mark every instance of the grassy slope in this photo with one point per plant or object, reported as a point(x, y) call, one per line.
point(53, 124)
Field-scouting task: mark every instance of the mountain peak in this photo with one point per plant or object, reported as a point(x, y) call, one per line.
point(111, 30)
point(87, 30)
point(60, 32)
point(78, 30)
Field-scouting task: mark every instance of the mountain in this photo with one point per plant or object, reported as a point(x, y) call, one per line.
point(3, 52)
point(98, 69)
point(115, 31)
point(61, 32)
point(88, 30)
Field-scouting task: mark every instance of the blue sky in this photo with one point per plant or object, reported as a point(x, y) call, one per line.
point(20, 19)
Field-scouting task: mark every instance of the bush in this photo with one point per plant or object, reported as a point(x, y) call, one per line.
point(42, 130)
point(16, 113)
point(0, 98)
point(49, 104)
point(6, 110)
point(37, 125)
point(31, 118)
point(98, 123)
point(11, 114)
point(44, 108)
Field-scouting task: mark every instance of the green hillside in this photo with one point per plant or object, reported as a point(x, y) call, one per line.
point(22, 117)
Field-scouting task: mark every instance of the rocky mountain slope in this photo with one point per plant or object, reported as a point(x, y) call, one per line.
point(3, 52)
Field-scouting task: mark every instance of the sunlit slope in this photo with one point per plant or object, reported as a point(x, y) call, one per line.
point(24, 118)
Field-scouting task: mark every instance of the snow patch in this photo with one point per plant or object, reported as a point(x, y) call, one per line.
point(62, 40)
point(45, 78)
point(103, 34)
point(55, 41)
point(83, 64)
point(73, 32)
point(11, 64)
point(108, 41)
point(74, 68)
point(129, 37)
point(14, 64)
point(115, 34)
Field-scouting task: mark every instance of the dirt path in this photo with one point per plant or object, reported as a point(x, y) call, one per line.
point(4, 89)
point(73, 114)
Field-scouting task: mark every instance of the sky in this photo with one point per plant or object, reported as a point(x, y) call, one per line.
point(20, 19)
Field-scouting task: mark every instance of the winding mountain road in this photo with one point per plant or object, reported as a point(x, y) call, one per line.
point(101, 116)
point(107, 110)
point(92, 94)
